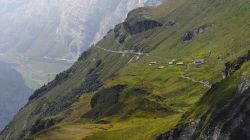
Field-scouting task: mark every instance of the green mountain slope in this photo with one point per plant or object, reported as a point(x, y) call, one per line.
point(223, 112)
point(124, 88)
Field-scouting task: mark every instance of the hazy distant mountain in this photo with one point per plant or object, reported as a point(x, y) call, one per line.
point(13, 93)
point(59, 28)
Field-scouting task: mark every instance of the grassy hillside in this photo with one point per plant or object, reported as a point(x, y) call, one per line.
point(113, 93)
point(222, 113)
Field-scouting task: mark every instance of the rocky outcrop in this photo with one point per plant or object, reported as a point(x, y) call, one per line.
point(230, 68)
point(243, 85)
point(170, 23)
point(229, 121)
point(120, 35)
point(92, 81)
point(182, 132)
point(139, 21)
point(43, 124)
point(141, 26)
point(195, 32)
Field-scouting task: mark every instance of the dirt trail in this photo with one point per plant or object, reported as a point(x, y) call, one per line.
point(130, 52)
point(204, 83)
point(122, 52)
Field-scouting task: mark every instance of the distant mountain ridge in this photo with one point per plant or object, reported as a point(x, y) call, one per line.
point(59, 29)
point(13, 93)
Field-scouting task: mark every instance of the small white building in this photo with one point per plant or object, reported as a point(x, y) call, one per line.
point(173, 62)
point(161, 67)
point(153, 62)
point(180, 63)
point(199, 61)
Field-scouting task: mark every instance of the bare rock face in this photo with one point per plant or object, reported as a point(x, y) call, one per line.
point(195, 32)
point(234, 66)
point(141, 26)
point(139, 21)
point(182, 132)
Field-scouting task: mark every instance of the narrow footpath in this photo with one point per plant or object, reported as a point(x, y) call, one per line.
point(204, 83)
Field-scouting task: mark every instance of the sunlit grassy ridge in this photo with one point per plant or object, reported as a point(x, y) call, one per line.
point(217, 44)
point(153, 99)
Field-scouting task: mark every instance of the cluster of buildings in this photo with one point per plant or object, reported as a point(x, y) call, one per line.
point(175, 62)
point(197, 62)
point(154, 62)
